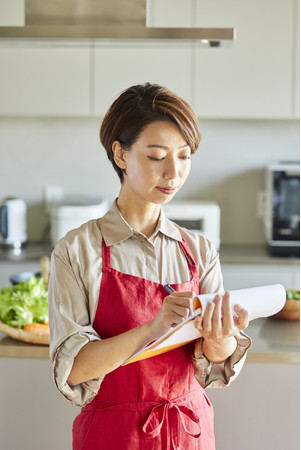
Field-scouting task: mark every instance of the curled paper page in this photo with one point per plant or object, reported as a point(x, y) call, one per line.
point(261, 301)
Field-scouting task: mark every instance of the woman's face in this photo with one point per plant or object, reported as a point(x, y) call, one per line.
point(157, 164)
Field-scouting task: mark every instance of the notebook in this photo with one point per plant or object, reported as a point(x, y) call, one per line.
point(263, 301)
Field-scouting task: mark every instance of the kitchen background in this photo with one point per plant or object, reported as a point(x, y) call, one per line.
point(53, 95)
point(228, 168)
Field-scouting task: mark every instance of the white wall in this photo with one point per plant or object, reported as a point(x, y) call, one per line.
point(228, 168)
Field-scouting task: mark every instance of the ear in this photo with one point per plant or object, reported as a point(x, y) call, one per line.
point(119, 155)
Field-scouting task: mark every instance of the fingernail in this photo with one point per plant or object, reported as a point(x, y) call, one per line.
point(239, 307)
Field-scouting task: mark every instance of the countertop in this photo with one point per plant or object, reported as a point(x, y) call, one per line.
point(29, 252)
point(229, 254)
point(253, 254)
point(274, 341)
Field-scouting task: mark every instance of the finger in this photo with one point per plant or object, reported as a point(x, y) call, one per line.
point(184, 293)
point(188, 294)
point(181, 311)
point(173, 318)
point(216, 318)
point(242, 319)
point(184, 299)
point(198, 323)
point(227, 314)
point(207, 319)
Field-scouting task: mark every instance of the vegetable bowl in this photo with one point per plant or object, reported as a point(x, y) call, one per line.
point(24, 311)
point(291, 309)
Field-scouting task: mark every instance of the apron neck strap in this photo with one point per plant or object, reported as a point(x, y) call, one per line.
point(106, 255)
point(190, 261)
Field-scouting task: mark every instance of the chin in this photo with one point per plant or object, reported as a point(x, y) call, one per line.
point(167, 199)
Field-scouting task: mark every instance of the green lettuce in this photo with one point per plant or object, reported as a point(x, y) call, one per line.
point(292, 294)
point(26, 302)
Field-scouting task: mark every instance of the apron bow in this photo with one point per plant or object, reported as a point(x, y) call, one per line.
point(161, 413)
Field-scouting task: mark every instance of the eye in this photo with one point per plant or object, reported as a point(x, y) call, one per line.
point(152, 158)
point(185, 157)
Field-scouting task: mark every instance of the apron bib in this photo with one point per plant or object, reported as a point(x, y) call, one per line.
point(154, 404)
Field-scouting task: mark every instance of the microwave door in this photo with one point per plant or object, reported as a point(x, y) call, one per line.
point(286, 207)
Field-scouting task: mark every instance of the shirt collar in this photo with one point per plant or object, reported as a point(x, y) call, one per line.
point(115, 229)
point(168, 228)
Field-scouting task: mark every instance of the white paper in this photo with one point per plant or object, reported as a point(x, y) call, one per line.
point(263, 301)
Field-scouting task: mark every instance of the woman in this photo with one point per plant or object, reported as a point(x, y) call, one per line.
point(106, 295)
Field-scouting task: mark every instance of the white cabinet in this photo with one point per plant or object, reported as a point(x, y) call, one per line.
point(121, 65)
point(12, 13)
point(252, 78)
point(259, 410)
point(170, 13)
point(256, 76)
point(44, 78)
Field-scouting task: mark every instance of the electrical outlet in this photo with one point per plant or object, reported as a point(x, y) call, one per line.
point(52, 195)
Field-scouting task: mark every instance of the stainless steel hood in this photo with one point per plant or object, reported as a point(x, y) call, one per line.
point(112, 19)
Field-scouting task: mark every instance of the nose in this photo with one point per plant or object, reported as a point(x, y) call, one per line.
point(171, 169)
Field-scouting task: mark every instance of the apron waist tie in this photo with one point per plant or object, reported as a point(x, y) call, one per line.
point(160, 413)
point(169, 412)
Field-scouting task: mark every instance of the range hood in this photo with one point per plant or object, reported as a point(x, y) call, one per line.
point(112, 19)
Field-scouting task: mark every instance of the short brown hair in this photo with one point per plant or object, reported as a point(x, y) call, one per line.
point(137, 107)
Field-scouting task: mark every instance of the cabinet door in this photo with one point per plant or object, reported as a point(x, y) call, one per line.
point(252, 78)
point(170, 13)
point(43, 78)
point(122, 65)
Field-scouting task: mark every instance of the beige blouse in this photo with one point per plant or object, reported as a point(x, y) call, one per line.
point(76, 271)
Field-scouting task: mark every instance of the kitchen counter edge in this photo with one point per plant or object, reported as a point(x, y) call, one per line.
point(229, 254)
point(273, 341)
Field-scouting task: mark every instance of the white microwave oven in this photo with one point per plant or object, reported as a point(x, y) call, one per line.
point(200, 216)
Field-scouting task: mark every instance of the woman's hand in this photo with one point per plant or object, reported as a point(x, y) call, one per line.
point(175, 308)
point(218, 327)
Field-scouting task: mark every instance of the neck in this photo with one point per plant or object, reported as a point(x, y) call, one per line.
point(142, 216)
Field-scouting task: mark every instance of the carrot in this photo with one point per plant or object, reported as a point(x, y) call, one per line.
point(38, 328)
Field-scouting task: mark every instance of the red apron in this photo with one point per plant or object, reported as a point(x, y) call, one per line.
point(155, 404)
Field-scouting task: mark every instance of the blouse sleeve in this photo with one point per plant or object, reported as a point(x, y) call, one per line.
point(207, 373)
point(70, 327)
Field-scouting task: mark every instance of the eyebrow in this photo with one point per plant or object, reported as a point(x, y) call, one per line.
point(164, 146)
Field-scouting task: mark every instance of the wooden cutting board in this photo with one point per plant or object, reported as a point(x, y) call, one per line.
point(25, 336)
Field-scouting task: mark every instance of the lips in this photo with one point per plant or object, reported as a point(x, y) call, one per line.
point(167, 190)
